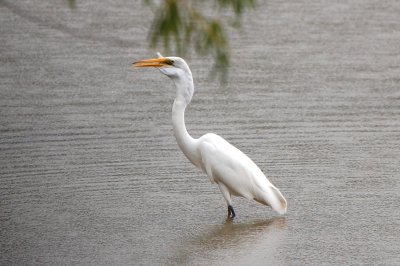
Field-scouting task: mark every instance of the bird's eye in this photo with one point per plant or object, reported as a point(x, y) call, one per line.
point(170, 62)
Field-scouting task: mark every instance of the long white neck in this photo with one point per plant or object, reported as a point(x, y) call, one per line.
point(184, 92)
point(187, 144)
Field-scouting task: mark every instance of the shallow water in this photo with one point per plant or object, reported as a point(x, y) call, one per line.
point(91, 173)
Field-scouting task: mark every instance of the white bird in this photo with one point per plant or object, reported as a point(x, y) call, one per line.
point(228, 167)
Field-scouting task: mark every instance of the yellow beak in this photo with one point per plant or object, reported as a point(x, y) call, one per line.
point(157, 62)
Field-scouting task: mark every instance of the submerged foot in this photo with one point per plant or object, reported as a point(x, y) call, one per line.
point(231, 212)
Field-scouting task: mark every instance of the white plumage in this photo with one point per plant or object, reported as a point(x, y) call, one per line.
point(234, 172)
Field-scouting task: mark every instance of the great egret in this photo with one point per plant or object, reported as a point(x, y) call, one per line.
point(228, 167)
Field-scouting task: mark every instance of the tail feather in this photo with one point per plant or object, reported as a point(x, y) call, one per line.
point(274, 198)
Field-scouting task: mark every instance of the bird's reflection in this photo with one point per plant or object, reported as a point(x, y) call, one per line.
point(232, 232)
point(235, 239)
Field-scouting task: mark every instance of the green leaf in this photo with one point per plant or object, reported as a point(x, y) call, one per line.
point(179, 24)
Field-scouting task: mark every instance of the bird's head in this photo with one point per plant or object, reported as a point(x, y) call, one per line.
point(176, 69)
point(170, 66)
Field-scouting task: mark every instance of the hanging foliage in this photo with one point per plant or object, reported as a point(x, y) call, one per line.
point(180, 25)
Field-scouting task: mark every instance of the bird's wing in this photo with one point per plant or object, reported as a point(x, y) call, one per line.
point(225, 163)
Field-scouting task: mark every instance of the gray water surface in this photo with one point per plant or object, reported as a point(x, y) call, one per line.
point(90, 173)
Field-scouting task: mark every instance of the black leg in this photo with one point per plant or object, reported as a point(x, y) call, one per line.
point(231, 212)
